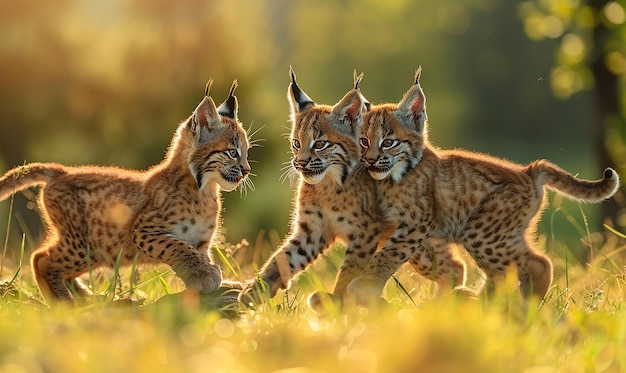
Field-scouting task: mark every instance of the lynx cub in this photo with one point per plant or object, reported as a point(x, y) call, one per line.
point(442, 198)
point(335, 200)
point(167, 214)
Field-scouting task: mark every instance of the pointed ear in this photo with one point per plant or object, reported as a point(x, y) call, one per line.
point(298, 100)
point(205, 118)
point(228, 108)
point(346, 114)
point(412, 108)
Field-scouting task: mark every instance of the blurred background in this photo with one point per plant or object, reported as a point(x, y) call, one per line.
point(107, 82)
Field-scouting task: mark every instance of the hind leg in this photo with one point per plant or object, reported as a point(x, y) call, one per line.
point(49, 274)
point(437, 261)
point(534, 273)
point(54, 269)
point(534, 270)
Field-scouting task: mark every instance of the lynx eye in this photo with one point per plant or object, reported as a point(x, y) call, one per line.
point(389, 143)
point(320, 144)
point(232, 153)
point(364, 142)
point(295, 144)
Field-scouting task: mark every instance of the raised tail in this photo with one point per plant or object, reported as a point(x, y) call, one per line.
point(550, 175)
point(22, 177)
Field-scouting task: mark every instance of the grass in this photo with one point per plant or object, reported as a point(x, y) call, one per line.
point(580, 326)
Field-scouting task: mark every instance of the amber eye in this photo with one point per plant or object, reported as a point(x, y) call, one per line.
point(232, 153)
point(364, 142)
point(320, 144)
point(295, 144)
point(389, 143)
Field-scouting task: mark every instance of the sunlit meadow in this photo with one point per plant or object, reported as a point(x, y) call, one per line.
point(142, 320)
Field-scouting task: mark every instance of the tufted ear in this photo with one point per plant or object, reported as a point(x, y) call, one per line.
point(346, 114)
point(357, 81)
point(298, 100)
point(205, 118)
point(228, 108)
point(412, 108)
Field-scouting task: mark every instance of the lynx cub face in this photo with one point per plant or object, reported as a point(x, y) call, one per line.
point(393, 152)
point(167, 214)
point(218, 150)
point(445, 200)
point(323, 140)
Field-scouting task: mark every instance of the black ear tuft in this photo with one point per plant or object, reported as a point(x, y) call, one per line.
point(208, 86)
point(301, 99)
point(412, 107)
point(229, 107)
point(418, 73)
point(357, 79)
point(292, 75)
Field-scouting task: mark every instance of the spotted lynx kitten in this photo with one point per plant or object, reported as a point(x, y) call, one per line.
point(442, 198)
point(167, 214)
point(335, 200)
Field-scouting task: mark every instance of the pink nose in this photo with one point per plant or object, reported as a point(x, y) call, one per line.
point(369, 161)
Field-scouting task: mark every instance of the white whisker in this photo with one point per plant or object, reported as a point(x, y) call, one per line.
point(246, 184)
point(288, 172)
point(253, 133)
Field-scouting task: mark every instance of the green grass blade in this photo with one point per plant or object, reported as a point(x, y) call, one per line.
point(19, 267)
point(90, 268)
point(614, 231)
point(228, 263)
point(6, 238)
point(116, 275)
point(404, 290)
point(163, 283)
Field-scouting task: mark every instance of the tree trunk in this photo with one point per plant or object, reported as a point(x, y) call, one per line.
point(607, 106)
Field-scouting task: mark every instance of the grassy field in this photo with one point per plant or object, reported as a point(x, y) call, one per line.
point(580, 327)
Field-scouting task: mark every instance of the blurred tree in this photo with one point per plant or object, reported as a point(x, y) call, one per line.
point(591, 56)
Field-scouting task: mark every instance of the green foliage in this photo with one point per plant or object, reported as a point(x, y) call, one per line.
point(572, 22)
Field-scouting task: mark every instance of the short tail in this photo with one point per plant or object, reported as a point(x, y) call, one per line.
point(549, 175)
point(22, 177)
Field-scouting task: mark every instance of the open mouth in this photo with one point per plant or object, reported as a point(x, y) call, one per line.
point(313, 172)
point(377, 169)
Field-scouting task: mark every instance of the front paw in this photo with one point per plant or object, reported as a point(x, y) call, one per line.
point(203, 280)
point(323, 303)
point(465, 292)
point(234, 285)
point(365, 290)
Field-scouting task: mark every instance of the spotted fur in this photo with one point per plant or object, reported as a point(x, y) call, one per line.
point(445, 198)
point(167, 214)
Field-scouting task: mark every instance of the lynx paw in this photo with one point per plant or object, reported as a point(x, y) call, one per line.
point(226, 296)
point(465, 292)
point(365, 290)
point(322, 302)
point(203, 280)
point(233, 285)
